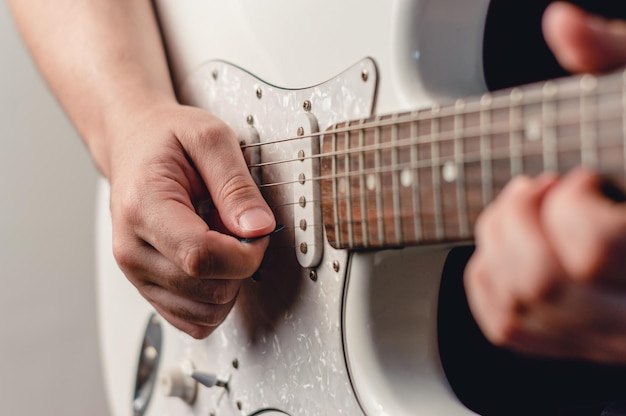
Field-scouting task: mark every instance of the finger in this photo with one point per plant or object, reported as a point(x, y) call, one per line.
point(583, 42)
point(485, 305)
point(195, 318)
point(219, 160)
point(512, 269)
point(587, 229)
point(187, 242)
point(147, 266)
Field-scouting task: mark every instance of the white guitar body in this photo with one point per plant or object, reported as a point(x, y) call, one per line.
point(352, 332)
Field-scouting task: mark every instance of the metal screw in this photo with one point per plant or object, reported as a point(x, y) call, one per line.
point(307, 106)
point(301, 155)
point(235, 363)
point(214, 74)
point(301, 179)
point(304, 248)
point(365, 75)
point(336, 265)
point(239, 405)
point(250, 120)
point(303, 224)
point(302, 201)
point(313, 275)
point(259, 93)
point(300, 131)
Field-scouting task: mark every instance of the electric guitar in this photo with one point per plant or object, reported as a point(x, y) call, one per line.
point(348, 116)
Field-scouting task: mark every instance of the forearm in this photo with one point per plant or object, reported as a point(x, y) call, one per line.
point(103, 59)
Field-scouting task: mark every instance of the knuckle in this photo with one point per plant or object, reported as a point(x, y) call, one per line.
point(237, 189)
point(194, 259)
point(224, 292)
point(124, 255)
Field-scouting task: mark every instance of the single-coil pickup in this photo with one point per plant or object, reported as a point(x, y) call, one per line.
point(309, 232)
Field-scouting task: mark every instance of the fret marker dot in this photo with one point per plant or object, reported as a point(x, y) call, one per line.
point(449, 171)
point(370, 182)
point(342, 186)
point(406, 177)
point(532, 130)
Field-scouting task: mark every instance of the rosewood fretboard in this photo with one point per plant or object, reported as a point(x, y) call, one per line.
point(424, 176)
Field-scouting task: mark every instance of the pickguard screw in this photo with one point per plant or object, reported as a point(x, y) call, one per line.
point(307, 105)
point(300, 131)
point(302, 201)
point(313, 275)
point(235, 364)
point(214, 74)
point(239, 405)
point(250, 120)
point(304, 248)
point(259, 93)
point(336, 266)
point(365, 75)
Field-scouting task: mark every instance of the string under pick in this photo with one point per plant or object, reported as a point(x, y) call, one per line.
point(278, 228)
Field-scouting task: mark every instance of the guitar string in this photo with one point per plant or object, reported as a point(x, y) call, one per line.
point(475, 157)
point(443, 138)
point(437, 113)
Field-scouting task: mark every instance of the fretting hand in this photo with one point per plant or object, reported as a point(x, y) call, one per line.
point(548, 276)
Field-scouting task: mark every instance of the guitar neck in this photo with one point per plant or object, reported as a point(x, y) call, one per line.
point(424, 177)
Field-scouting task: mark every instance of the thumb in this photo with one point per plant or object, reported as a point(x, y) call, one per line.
point(583, 42)
point(220, 162)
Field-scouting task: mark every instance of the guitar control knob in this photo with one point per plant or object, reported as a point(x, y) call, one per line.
point(177, 382)
point(208, 379)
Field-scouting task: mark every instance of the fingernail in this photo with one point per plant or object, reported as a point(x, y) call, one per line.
point(256, 219)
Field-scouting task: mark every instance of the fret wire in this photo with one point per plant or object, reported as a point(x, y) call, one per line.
point(335, 193)
point(364, 227)
point(516, 158)
point(485, 152)
point(436, 179)
point(461, 201)
point(378, 186)
point(394, 179)
point(587, 84)
point(548, 115)
point(348, 187)
point(417, 215)
point(623, 85)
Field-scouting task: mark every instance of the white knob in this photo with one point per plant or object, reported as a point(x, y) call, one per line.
point(177, 382)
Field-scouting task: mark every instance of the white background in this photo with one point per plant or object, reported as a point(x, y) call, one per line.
point(48, 336)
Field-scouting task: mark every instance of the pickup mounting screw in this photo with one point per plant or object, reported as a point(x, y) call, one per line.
point(307, 106)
